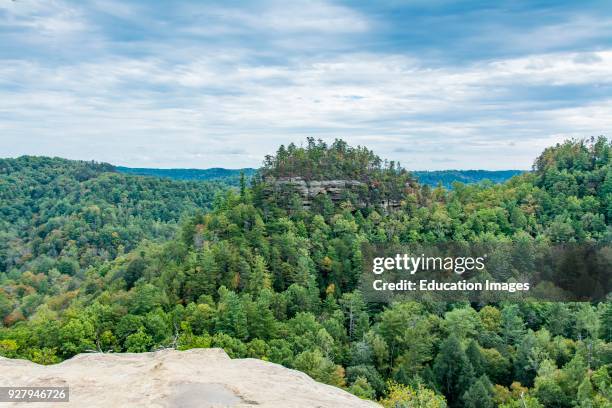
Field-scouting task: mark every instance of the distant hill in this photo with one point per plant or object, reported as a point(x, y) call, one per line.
point(228, 176)
point(448, 177)
point(69, 214)
point(232, 176)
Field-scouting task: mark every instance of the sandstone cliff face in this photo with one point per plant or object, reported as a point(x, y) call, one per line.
point(169, 378)
point(308, 190)
point(334, 189)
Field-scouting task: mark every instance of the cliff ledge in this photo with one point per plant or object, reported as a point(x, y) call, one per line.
point(170, 378)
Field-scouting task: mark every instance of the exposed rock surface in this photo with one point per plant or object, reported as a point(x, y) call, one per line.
point(310, 189)
point(169, 378)
point(334, 189)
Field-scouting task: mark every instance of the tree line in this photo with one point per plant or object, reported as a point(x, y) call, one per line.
point(273, 281)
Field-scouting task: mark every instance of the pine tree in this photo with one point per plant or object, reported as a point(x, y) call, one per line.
point(476, 357)
point(201, 275)
point(242, 186)
point(453, 371)
point(231, 316)
point(479, 395)
point(585, 393)
point(259, 278)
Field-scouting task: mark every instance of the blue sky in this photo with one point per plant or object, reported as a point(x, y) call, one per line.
point(434, 84)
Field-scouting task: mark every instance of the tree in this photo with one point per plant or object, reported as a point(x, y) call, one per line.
point(490, 318)
point(76, 336)
point(138, 342)
point(453, 371)
point(512, 325)
point(362, 388)
point(259, 278)
point(479, 395)
point(260, 319)
point(319, 367)
point(585, 394)
point(462, 322)
point(529, 356)
point(353, 307)
point(258, 348)
point(6, 306)
point(201, 276)
point(242, 185)
point(368, 372)
point(524, 401)
point(134, 271)
point(401, 396)
point(476, 358)
point(231, 317)
point(8, 348)
point(146, 297)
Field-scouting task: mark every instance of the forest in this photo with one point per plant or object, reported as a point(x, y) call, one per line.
point(96, 261)
point(71, 215)
point(448, 177)
point(232, 176)
point(225, 176)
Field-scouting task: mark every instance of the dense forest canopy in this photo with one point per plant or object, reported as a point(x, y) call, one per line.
point(279, 283)
point(69, 215)
point(448, 177)
point(226, 176)
point(318, 161)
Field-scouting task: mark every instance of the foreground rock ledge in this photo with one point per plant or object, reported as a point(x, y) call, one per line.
point(195, 378)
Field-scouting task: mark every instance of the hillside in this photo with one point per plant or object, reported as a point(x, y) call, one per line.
point(66, 215)
point(232, 176)
point(263, 278)
point(198, 378)
point(448, 177)
point(227, 176)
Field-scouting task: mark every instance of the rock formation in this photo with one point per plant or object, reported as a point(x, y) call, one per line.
point(336, 190)
point(169, 378)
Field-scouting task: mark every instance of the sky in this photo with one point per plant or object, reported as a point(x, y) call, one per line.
point(434, 84)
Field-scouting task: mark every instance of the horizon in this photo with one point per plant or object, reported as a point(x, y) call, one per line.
point(242, 168)
point(189, 85)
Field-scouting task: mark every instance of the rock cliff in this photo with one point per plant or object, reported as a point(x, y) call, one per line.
point(336, 190)
point(169, 378)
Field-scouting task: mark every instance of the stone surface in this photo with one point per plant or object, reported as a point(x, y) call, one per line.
point(195, 378)
point(334, 189)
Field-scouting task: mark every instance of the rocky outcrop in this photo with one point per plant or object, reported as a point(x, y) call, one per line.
point(169, 378)
point(308, 190)
point(336, 190)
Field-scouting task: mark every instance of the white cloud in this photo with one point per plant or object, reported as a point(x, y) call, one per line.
point(281, 17)
point(182, 104)
point(46, 18)
point(579, 29)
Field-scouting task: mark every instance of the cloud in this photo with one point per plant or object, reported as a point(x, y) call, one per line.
point(197, 85)
point(47, 18)
point(292, 17)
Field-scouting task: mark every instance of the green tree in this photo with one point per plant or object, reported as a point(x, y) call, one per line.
point(231, 317)
point(401, 396)
point(479, 395)
point(453, 371)
point(319, 367)
point(362, 388)
point(138, 342)
point(259, 278)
